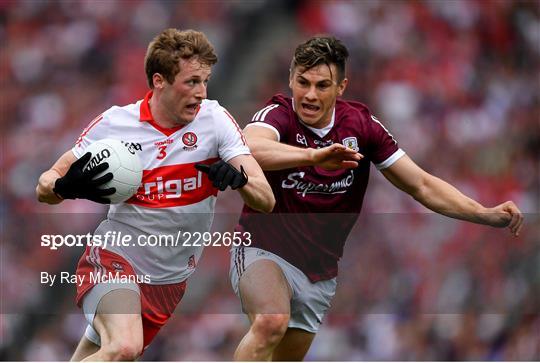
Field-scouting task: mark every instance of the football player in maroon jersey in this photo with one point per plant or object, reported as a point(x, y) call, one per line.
point(316, 151)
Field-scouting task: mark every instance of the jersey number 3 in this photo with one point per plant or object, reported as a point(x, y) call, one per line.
point(162, 152)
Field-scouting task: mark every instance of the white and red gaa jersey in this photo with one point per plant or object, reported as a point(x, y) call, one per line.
point(173, 197)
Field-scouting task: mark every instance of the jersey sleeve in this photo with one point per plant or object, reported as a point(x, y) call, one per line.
point(384, 150)
point(230, 138)
point(274, 117)
point(96, 130)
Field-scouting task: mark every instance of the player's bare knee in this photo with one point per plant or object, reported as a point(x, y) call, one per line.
point(271, 326)
point(124, 347)
point(123, 350)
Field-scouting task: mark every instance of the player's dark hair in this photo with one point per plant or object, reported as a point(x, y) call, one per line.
point(321, 50)
point(165, 51)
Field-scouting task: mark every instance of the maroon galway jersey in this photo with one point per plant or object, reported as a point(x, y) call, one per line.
point(315, 208)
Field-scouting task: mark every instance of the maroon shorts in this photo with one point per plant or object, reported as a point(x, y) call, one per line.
point(158, 302)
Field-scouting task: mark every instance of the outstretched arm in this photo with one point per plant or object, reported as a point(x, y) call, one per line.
point(274, 155)
point(443, 198)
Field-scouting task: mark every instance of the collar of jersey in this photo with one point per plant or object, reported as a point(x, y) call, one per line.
point(319, 132)
point(146, 116)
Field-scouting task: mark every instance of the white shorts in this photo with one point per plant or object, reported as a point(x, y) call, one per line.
point(91, 302)
point(309, 302)
point(157, 302)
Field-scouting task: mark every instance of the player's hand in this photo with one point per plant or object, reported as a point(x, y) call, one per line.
point(80, 183)
point(223, 174)
point(336, 156)
point(506, 214)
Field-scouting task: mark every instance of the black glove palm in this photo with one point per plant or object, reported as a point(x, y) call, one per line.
point(223, 174)
point(80, 183)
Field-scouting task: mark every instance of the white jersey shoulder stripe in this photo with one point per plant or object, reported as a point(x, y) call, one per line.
point(242, 137)
point(258, 113)
point(261, 114)
point(88, 128)
point(262, 124)
point(384, 128)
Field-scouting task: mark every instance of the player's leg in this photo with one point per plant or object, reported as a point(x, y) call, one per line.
point(293, 346)
point(265, 296)
point(308, 308)
point(85, 348)
point(118, 323)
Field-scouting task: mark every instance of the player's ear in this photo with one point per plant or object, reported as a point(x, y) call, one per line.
point(292, 71)
point(158, 81)
point(342, 86)
point(290, 78)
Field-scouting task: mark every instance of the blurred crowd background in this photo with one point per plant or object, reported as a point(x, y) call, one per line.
point(456, 82)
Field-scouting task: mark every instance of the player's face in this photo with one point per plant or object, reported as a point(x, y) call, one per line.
point(181, 100)
point(314, 92)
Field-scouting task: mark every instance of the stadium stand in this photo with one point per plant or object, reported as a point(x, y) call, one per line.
point(456, 83)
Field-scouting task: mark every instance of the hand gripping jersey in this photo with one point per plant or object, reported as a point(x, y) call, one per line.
point(173, 196)
point(315, 208)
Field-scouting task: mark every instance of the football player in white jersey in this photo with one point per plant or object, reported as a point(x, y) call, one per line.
point(181, 135)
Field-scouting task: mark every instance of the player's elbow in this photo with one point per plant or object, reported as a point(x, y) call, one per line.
point(270, 199)
point(40, 195)
point(266, 202)
point(269, 204)
point(258, 194)
point(43, 198)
